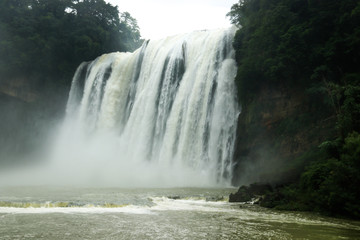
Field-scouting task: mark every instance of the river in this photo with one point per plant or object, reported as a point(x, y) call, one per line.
point(162, 213)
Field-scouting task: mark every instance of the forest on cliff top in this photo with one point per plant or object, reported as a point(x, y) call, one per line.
point(311, 47)
point(47, 39)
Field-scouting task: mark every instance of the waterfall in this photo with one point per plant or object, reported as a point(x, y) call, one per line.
point(165, 114)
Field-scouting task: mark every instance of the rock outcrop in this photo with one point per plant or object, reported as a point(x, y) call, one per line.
point(253, 193)
point(274, 129)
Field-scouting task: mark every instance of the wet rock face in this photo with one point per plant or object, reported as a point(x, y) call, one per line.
point(252, 193)
point(242, 195)
point(27, 119)
point(275, 127)
point(19, 88)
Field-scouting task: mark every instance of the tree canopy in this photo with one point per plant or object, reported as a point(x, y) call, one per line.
point(48, 39)
point(314, 46)
point(296, 41)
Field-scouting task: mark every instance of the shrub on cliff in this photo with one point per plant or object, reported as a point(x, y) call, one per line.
point(332, 185)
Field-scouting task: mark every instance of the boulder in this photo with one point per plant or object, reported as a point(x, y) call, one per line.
point(253, 193)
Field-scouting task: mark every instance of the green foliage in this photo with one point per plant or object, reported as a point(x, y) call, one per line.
point(287, 42)
point(47, 39)
point(328, 185)
point(313, 46)
point(331, 185)
point(349, 117)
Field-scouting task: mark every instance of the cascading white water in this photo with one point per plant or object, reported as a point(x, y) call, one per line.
point(164, 115)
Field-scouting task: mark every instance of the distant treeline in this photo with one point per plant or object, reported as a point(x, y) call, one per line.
point(45, 40)
point(314, 46)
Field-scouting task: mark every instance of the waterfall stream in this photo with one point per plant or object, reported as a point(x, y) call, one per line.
point(163, 115)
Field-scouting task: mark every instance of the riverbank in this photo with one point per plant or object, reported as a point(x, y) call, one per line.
point(277, 198)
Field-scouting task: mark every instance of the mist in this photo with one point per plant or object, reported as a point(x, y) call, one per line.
point(26, 125)
point(142, 119)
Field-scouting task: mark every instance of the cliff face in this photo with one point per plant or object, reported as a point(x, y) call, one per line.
point(17, 129)
point(275, 129)
point(28, 114)
point(18, 88)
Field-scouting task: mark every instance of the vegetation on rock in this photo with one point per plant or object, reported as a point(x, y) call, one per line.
point(310, 49)
point(42, 42)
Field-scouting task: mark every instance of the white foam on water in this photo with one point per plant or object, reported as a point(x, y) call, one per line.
point(166, 204)
point(89, 210)
point(163, 204)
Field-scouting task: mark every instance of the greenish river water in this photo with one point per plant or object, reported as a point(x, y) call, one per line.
point(176, 213)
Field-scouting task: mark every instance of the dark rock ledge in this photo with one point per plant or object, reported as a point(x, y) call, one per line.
point(253, 194)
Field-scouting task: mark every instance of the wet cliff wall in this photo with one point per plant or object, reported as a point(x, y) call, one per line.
point(28, 113)
point(275, 131)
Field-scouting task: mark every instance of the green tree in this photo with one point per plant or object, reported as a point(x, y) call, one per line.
point(312, 46)
point(48, 39)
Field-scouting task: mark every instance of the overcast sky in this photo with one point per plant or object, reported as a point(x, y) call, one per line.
point(161, 18)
